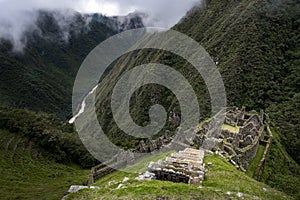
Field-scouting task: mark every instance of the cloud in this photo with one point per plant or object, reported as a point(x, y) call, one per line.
point(164, 13)
point(17, 17)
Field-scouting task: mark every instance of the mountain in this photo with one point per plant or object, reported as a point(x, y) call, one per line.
point(256, 46)
point(41, 154)
point(41, 77)
point(55, 139)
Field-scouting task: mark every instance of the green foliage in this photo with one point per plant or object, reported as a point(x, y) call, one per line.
point(56, 139)
point(27, 174)
point(281, 171)
point(41, 78)
point(221, 178)
point(256, 45)
point(146, 96)
point(255, 162)
point(286, 117)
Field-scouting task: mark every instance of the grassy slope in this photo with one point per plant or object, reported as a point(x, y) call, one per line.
point(55, 138)
point(254, 163)
point(255, 43)
point(25, 174)
point(281, 171)
point(221, 178)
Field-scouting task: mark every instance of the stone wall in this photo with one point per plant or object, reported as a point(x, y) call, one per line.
point(186, 167)
point(261, 164)
point(148, 145)
point(241, 147)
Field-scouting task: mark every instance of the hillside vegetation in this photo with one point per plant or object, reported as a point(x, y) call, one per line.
point(255, 44)
point(222, 181)
point(41, 77)
point(28, 174)
point(55, 139)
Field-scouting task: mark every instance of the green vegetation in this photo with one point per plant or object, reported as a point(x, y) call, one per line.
point(281, 171)
point(232, 129)
point(56, 139)
point(255, 45)
point(141, 165)
point(221, 178)
point(254, 163)
point(41, 78)
point(27, 174)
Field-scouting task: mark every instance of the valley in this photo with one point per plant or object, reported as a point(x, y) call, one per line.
point(252, 154)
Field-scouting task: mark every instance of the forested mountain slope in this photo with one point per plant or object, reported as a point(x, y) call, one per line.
point(256, 46)
point(41, 76)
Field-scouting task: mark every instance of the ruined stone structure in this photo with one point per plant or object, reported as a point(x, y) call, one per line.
point(148, 145)
point(122, 159)
point(186, 167)
point(240, 142)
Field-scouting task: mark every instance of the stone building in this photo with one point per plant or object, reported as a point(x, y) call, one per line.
point(239, 137)
point(186, 167)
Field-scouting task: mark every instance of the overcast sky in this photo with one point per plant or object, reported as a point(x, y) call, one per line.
point(18, 15)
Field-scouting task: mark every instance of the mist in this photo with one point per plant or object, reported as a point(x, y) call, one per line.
point(18, 17)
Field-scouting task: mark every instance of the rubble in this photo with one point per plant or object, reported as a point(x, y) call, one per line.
point(76, 188)
point(146, 176)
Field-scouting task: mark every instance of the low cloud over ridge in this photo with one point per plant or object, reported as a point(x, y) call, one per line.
point(17, 17)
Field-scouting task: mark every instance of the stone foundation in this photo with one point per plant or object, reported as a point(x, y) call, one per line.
point(240, 146)
point(186, 167)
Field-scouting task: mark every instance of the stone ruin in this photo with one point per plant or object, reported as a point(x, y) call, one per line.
point(148, 145)
point(185, 166)
point(239, 142)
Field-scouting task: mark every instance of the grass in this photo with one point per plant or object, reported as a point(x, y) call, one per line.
point(254, 163)
point(280, 170)
point(141, 166)
point(131, 171)
point(202, 122)
point(221, 178)
point(232, 129)
point(25, 174)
